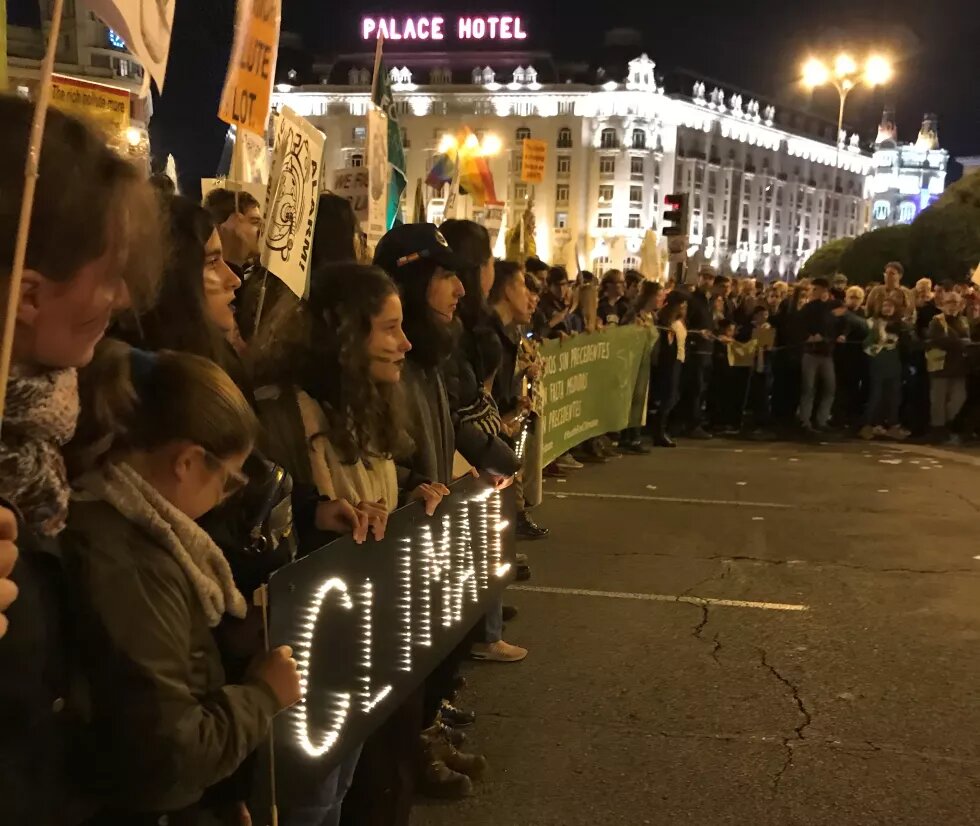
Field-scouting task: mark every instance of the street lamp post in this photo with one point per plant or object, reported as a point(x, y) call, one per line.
point(844, 76)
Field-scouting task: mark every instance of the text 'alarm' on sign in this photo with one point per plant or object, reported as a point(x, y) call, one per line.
point(533, 161)
point(247, 95)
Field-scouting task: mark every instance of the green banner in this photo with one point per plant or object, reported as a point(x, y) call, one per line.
point(594, 383)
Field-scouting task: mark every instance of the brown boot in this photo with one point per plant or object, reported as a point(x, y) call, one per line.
point(474, 766)
point(437, 780)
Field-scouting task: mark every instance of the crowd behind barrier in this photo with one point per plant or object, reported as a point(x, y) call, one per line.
point(231, 513)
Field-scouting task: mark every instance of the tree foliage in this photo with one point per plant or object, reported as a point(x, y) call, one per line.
point(966, 191)
point(825, 261)
point(945, 241)
point(865, 258)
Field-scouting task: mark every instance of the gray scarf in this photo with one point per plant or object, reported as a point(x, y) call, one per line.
point(40, 417)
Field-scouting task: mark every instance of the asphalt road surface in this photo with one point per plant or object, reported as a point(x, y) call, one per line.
point(735, 633)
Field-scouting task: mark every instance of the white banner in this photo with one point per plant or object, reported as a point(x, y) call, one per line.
point(249, 159)
point(377, 163)
point(291, 201)
point(144, 25)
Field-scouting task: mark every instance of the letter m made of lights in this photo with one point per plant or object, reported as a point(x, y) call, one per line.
point(368, 623)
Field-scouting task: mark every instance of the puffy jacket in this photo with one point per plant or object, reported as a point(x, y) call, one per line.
point(162, 724)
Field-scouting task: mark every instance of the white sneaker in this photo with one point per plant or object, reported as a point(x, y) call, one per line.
point(497, 652)
point(568, 462)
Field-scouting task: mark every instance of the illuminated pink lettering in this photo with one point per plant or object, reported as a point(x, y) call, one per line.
point(491, 27)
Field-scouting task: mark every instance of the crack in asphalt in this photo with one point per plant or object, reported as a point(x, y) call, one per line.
point(789, 743)
point(698, 631)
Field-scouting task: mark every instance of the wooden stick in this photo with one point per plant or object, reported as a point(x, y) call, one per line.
point(261, 598)
point(377, 63)
point(27, 200)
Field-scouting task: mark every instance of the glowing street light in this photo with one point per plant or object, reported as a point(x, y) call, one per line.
point(815, 73)
point(845, 76)
point(844, 67)
point(448, 143)
point(877, 70)
point(133, 136)
point(491, 145)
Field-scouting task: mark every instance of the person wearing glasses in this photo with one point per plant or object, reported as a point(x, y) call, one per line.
point(162, 724)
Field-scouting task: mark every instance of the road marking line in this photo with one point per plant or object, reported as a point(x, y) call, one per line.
point(677, 500)
point(721, 603)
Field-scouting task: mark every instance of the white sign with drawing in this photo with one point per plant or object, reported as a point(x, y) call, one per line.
point(144, 25)
point(291, 201)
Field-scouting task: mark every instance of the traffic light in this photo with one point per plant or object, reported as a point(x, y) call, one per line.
point(675, 216)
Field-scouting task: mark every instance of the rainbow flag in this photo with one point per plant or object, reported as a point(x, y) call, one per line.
point(443, 171)
point(476, 180)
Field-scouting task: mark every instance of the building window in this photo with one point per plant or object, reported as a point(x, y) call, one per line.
point(605, 220)
point(522, 134)
point(561, 220)
point(358, 135)
point(635, 221)
point(564, 138)
point(636, 195)
point(608, 139)
point(636, 168)
point(520, 192)
point(882, 210)
point(564, 165)
point(600, 264)
point(906, 212)
point(357, 160)
point(607, 166)
point(639, 139)
point(561, 193)
point(605, 192)
point(712, 182)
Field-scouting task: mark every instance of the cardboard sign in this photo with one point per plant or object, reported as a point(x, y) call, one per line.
point(144, 25)
point(106, 105)
point(247, 95)
point(352, 183)
point(535, 156)
point(368, 623)
point(378, 171)
point(292, 198)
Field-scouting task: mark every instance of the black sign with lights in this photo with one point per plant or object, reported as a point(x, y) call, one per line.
point(367, 623)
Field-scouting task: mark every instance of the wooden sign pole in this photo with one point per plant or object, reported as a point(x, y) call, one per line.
point(27, 200)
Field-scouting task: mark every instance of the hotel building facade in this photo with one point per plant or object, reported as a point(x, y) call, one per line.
point(762, 198)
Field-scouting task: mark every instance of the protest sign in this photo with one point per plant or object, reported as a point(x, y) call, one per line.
point(291, 201)
point(377, 164)
point(533, 160)
point(593, 384)
point(250, 159)
point(144, 25)
point(247, 94)
point(352, 183)
point(368, 623)
point(107, 106)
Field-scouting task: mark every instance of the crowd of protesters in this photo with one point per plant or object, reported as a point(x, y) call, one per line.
point(171, 405)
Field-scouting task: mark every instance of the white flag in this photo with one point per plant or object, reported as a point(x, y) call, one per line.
point(144, 25)
point(292, 200)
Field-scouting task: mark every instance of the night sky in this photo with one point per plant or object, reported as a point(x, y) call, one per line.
point(755, 45)
point(758, 45)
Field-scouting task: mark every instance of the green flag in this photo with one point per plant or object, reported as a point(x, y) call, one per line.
point(382, 98)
